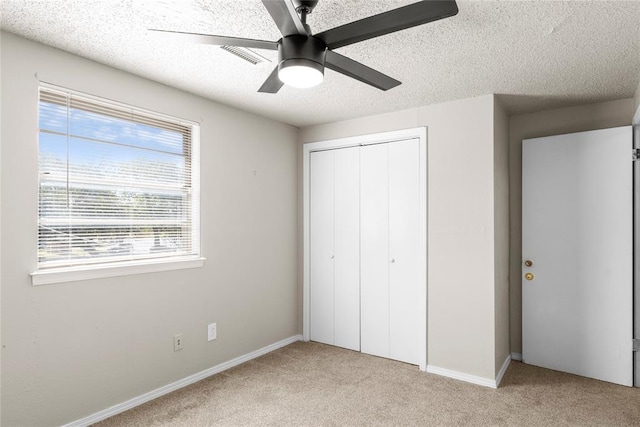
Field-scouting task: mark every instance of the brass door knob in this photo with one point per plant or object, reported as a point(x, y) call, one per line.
point(528, 263)
point(528, 276)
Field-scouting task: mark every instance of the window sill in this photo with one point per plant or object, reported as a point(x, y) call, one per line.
point(72, 274)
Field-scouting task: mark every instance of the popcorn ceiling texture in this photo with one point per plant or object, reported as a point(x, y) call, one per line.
point(535, 54)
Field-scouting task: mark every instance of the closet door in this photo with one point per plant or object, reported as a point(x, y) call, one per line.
point(404, 224)
point(347, 247)
point(322, 242)
point(335, 247)
point(389, 197)
point(374, 249)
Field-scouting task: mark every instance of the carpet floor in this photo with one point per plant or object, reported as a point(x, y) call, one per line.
point(310, 384)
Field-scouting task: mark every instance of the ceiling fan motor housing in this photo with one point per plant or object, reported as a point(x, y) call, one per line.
point(305, 5)
point(302, 50)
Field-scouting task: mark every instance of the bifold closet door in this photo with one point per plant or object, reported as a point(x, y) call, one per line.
point(404, 209)
point(374, 250)
point(335, 248)
point(321, 242)
point(389, 201)
point(347, 248)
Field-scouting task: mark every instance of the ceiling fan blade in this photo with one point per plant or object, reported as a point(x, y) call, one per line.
point(215, 40)
point(272, 84)
point(388, 22)
point(358, 71)
point(285, 17)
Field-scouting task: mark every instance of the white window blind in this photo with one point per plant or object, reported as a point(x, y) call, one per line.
point(116, 183)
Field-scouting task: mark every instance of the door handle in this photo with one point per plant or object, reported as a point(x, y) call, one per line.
point(528, 276)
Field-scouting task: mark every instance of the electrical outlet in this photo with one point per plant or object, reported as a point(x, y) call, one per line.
point(212, 332)
point(177, 342)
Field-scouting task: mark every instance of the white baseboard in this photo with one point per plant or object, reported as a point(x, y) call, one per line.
point(136, 401)
point(473, 379)
point(516, 356)
point(486, 382)
point(502, 370)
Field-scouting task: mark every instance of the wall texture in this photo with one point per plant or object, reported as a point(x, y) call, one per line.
point(72, 349)
point(501, 230)
point(636, 119)
point(461, 225)
point(552, 122)
point(637, 96)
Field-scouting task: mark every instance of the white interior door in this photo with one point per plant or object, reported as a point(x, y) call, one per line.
point(321, 194)
point(335, 247)
point(577, 233)
point(347, 248)
point(390, 178)
point(404, 180)
point(374, 249)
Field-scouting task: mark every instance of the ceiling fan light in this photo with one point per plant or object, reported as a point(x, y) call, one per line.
point(300, 73)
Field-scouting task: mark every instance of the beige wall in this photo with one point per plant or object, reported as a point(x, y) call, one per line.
point(72, 349)
point(501, 230)
point(636, 119)
point(552, 122)
point(461, 227)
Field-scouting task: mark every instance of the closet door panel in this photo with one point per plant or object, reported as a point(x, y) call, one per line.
point(321, 246)
point(347, 247)
point(374, 253)
point(404, 178)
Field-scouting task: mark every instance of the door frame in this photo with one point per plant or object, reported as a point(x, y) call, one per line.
point(636, 250)
point(419, 133)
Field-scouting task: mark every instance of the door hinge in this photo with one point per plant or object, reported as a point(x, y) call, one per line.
point(635, 154)
point(636, 344)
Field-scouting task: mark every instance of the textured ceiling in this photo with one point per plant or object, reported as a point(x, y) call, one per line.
point(537, 54)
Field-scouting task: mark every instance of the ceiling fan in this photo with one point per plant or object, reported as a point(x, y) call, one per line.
point(302, 55)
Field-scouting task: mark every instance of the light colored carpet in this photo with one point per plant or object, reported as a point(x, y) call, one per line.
point(310, 384)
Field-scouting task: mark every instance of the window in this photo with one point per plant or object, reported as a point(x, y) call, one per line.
point(117, 185)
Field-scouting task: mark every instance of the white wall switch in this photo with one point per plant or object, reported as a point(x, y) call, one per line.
point(212, 332)
point(177, 342)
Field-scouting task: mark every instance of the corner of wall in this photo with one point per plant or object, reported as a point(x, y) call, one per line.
point(636, 118)
point(501, 233)
point(300, 225)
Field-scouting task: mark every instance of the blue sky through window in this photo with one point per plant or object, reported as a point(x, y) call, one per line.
point(109, 147)
point(109, 129)
point(111, 186)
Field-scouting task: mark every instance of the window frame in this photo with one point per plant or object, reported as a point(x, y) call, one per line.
point(59, 274)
